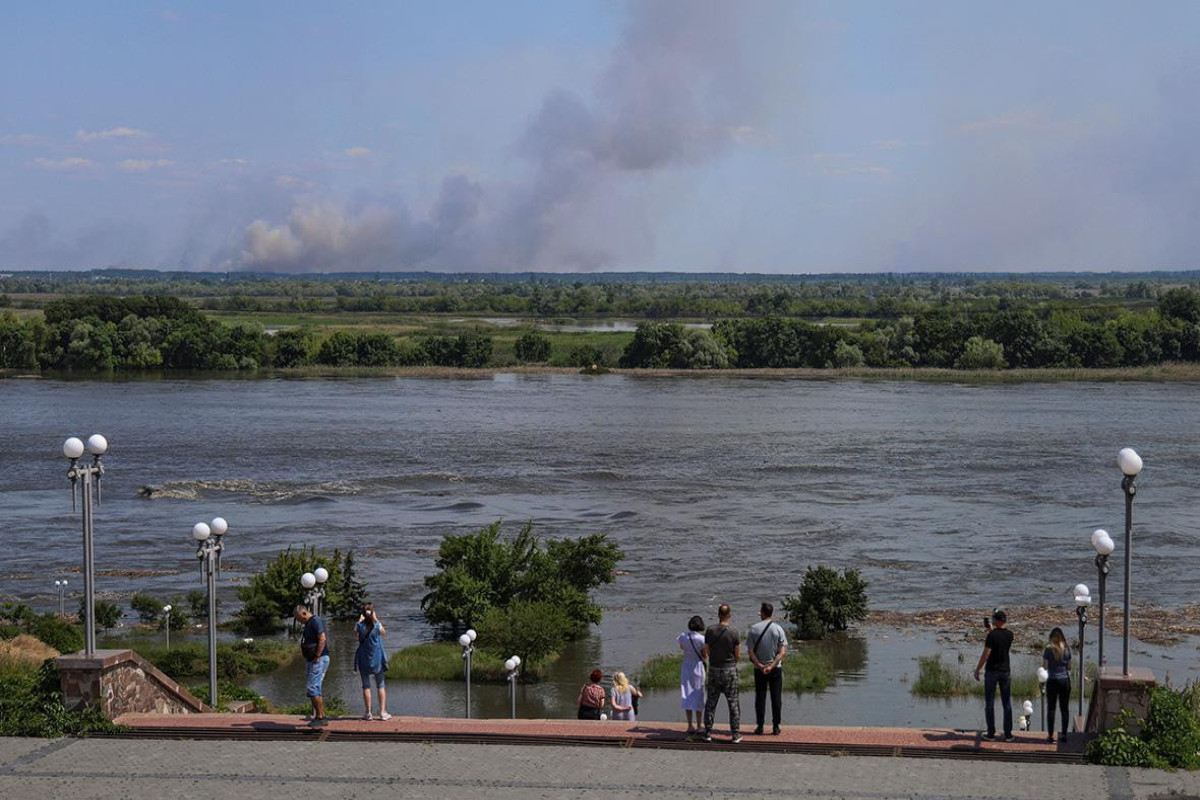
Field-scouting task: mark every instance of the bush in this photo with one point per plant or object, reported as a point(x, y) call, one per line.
point(148, 608)
point(235, 661)
point(108, 614)
point(533, 631)
point(980, 353)
point(532, 347)
point(1117, 747)
point(31, 704)
point(828, 601)
point(802, 672)
point(1172, 730)
point(56, 632)
point(442, 661)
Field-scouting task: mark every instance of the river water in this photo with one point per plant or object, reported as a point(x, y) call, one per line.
point(717, 488)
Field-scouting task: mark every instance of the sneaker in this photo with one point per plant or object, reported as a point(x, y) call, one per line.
point(737, 738)
point(991, 737)
point(758, 731)
point(385, 716)
point(318, 722)
point(1008, 737)
point(705, 736)
point(1050, 739)
point(367, 716)
point(776, 731)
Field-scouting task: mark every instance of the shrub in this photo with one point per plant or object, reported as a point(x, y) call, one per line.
point(148, 608)
point(532, 346)
point(1172, 730)
point(442, 661)
point(31, 704)
point(802, 672)
point(235, 661)
point(1117, 747)
point(828, 601)
point(533, 631)
point(56, 632)
point(107, 614)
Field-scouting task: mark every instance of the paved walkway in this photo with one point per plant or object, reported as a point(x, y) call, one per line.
point(794, 738)
point(82, 769)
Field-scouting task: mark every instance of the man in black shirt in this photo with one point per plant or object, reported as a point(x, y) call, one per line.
point(723, 649)
point(994, 662)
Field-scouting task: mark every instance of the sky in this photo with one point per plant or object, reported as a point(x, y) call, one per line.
point(773, 136)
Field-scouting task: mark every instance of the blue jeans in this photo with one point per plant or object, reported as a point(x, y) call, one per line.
point(992, 679)
point(314, 676)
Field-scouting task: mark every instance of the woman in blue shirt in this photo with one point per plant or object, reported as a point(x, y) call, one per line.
point(370, 659)
point(1057, 661)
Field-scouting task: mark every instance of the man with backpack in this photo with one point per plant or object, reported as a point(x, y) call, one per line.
point(723, 650)
point(766, 644)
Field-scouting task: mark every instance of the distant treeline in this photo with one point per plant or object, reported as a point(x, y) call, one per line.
point(157, 332)
point(638, 296)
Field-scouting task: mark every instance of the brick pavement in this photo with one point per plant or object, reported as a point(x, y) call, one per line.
point(82, 769)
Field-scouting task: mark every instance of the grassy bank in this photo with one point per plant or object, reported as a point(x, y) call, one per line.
point(802, 672)
point(442, 661)
point(936, 678)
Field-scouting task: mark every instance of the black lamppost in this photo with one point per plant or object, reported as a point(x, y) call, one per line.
point(1083, 599)
point(1131, 464)
point(210, 544)
point(88, 476)
point(1043, 676)
point(1104, 546)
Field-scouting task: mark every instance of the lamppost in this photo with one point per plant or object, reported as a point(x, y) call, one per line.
point(513, 665)
point(467, 643)
point(88, 474)
point(167, 623)
point(1043, 676)
point(61, 586)
point(210, 540)
point(1027, 711)
point(1083, 599)
point(314, 585)
point(1104, 546)
point(1131, 464)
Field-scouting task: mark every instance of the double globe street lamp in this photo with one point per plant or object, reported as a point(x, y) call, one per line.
point(88, 478)
point(167, 623)
point(313, 584)
point(209, 538)
point(61, 588)
point(1131, 464)
point(513, 665)
point(1043, 675)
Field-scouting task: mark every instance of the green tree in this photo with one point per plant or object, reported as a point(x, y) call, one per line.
point(271, 595)
point(980, 353)
point(847, 355)
point(108, 614)
point(147, 608)
point(339, 349)
point(828, 601)
point(531, 630)
point(293, 348)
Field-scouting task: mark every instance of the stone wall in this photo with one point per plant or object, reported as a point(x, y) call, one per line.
point(1113, 692)
point(121, 681)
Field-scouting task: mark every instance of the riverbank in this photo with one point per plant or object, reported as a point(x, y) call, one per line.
point(1161, 373)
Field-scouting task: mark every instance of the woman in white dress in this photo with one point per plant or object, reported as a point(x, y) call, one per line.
point(691, 673)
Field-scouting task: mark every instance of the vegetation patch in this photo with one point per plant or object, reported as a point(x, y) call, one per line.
point(443, 661)
point(936, 678)
point(234, 661)
point(31, 704)
point(802, 672)
point(828, 601)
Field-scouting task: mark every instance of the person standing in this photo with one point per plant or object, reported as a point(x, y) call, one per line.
point(766, 644)
point(622, 698)
point(371, 660)
point(315, 648)
point(1057, 661)
point(723, 649)
point(591, 697)
point(691, 672)
point(997, 673)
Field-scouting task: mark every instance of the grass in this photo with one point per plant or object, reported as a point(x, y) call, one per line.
point(802, 672)
point(442, 661)
point(936, 678)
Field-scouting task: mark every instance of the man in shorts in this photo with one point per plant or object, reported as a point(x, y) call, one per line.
point(316, 656)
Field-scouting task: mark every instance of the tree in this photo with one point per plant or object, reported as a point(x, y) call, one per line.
point(108, 614)
point(828, 601)
point(147, 608)
point(271, 595)
point(532, 347)
point(1182, 304)
point(980, 353)
point(532, 631)
point(481, 571)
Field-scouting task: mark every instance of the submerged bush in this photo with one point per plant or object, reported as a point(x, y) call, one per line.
point(828, 601)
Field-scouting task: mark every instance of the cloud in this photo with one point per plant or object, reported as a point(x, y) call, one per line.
point(683, 86)
point(20, 139)
point(838, 164)
point(69, 164)
point(144, 164)
point(121, 132)
point(357, 152)
point(888, 144)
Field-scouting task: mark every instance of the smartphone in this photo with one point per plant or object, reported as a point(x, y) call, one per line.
point(987, 623)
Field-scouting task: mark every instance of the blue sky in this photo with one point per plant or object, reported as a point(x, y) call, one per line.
point(687, 135)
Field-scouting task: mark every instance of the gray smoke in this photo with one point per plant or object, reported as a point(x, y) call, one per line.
point(684, 81)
